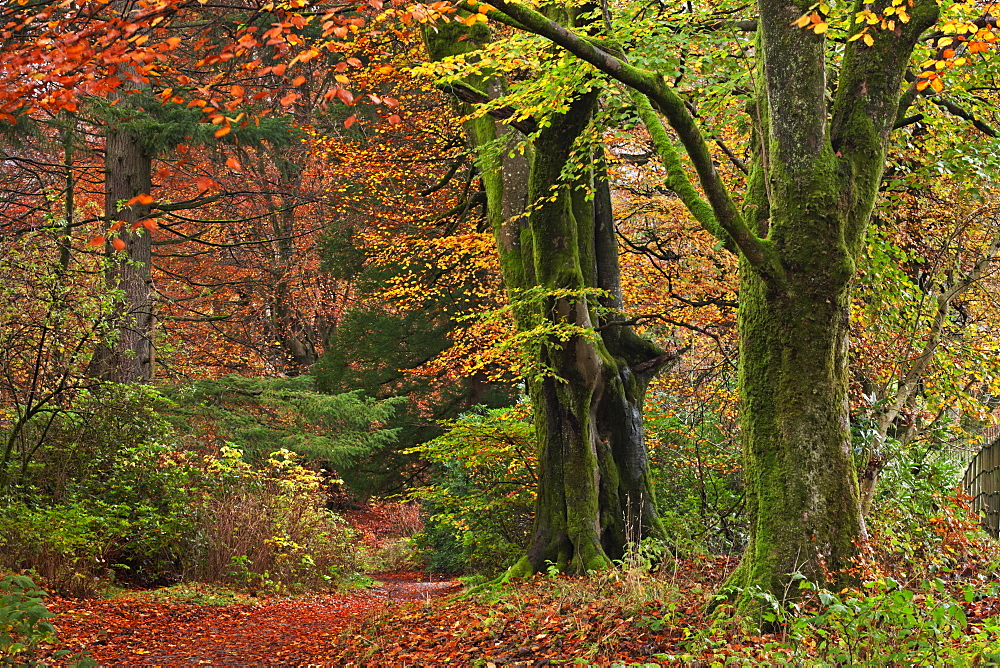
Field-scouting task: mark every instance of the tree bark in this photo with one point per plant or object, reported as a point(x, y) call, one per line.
point(128, 357)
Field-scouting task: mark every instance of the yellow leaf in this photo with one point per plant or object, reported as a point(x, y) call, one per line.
point(868, 39)
point(922, 84)
point(937, 85)
point(854, 37)
point(802, 21)
point(821, 27)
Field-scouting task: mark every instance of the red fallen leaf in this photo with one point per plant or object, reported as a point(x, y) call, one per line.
point(349, 121)
point(118, 244)
point(394, 119)
point(223, 131)
point(150, 224)
point(96, 241)
point(204, 183)
point(298, 81)
point(233, 164)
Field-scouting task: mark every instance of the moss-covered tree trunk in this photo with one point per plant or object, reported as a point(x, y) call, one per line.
point(558, 244)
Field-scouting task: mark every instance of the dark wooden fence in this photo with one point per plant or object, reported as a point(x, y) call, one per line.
point(982, 483)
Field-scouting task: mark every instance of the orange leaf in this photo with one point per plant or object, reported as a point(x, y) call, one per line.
point(233, 164)
point(223, 131)
point(349, 121)
point(279, 69)
point(298, 81)
point(236, 90)
point(118, 244)
point(150, 224)
point(96, 241)
point(204, 183)
point(394, 119)
point(289, 99)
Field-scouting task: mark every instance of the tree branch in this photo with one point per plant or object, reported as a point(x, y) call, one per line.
point(723, 210)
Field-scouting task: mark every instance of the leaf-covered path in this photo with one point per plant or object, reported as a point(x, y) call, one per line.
point(274, 630)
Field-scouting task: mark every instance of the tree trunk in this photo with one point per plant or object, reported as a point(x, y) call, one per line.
point(128, 357)
point(801, 482)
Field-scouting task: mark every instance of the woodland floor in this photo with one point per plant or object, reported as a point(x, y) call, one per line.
point(412, 619)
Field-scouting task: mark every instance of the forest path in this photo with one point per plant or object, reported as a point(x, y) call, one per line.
point(273, 630)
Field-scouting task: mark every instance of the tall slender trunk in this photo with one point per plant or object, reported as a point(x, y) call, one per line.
point(128, 357)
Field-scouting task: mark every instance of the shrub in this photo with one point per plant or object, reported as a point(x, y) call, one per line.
point(113, 494)
point(269, 528)
point(481, 500)
point(24, 624)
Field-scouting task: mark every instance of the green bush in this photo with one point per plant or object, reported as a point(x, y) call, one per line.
point(480, 504)
point(24, 624)
point(114, 494)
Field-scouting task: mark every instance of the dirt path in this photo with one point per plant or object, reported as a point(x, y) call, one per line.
point(126, 631)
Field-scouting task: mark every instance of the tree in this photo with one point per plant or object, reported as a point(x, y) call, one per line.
point(821, 117)
point(558, 255)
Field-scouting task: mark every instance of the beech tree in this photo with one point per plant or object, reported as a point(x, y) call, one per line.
point(820, 112)
point(558, 254)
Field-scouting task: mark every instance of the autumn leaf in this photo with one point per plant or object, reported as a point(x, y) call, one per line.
point(118, 244)
point(233, 164)
point(96, 241)
point(349, 121)
point(223, 131)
